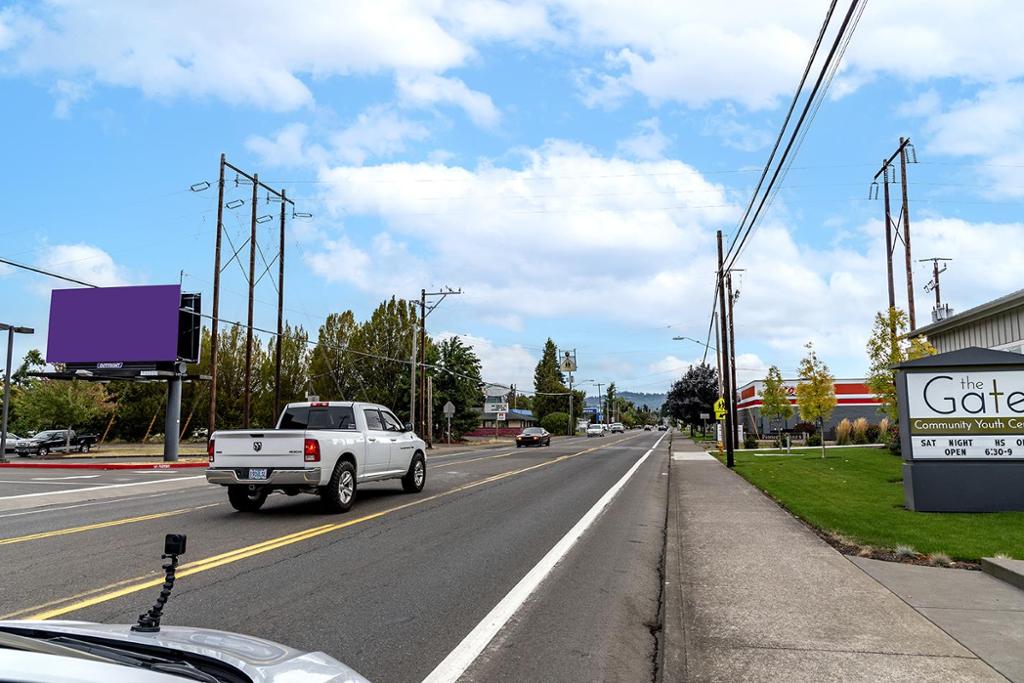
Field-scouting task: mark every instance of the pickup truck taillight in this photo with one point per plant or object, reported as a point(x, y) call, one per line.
point(209, 449)
point(311, 450)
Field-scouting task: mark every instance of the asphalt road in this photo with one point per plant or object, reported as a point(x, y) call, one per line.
point(390, 588)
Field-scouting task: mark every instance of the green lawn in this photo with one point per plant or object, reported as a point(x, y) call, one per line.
point(858, 493)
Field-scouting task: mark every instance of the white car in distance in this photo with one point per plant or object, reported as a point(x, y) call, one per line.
point(596, 429)
point(324, 448)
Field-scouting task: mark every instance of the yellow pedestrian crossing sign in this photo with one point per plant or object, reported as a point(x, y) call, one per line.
point(720, 408)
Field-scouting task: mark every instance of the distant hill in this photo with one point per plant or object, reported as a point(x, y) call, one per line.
point(652, 401)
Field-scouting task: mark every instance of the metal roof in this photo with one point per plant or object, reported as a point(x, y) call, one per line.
point(972, 356)
point(984, 310)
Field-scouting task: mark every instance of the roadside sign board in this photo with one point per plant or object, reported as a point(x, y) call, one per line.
point(449, 409)
point(720, 409)
point(568, 363)
point(500, 417)
point(705, 416)
point(496, 407)
point(962, 431)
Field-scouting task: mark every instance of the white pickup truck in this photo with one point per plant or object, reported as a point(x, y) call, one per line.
point(326, 448)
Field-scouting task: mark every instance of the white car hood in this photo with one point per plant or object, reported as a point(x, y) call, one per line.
point(262, 660)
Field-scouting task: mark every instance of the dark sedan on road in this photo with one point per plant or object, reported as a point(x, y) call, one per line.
point(533, 436)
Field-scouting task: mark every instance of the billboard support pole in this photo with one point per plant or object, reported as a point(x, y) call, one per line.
point(211, 425)
point(172, 418)
point(247, 405)
point(280, 314)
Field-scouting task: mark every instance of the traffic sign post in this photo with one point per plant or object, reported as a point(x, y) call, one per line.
point(449, 411)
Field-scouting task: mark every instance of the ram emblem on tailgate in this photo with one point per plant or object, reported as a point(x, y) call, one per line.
point(257, 446)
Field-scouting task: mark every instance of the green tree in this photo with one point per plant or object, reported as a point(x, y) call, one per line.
point(294, 373)
point(384, 341)
point(556, 423)
point(332, 372)
point(62, 404)
point(609, 403)
point(548, 379)
point(457, 379)
point(816, 392)
point(694, 393)
point(775, 403)
point(888, 346)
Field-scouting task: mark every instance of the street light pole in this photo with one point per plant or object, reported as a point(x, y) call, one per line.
point(11, 330)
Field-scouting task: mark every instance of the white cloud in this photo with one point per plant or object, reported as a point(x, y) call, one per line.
point(925, 104)
point(377, 132)
point(67, 93)
point(85, 262)
point(648, 144)
point(734, 133)
point(500, 364)
point(426, 89)
point(287, 148)
point(524, 242)
point(990, 126)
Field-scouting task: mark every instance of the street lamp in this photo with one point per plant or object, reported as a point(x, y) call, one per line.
point(11, 331)
point(695, 341)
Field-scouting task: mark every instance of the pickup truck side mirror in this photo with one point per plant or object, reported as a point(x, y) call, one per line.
point(408, 427)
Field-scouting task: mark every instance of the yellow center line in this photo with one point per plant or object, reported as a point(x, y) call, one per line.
point(99, 525)
point(122, 588)
point(460, 462)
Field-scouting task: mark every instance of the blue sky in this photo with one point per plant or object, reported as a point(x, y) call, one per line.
point(565, 163)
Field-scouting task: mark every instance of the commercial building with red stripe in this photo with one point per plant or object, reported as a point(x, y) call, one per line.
point(853, 400)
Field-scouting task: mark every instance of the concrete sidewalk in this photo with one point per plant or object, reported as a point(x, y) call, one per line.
point(752, 594)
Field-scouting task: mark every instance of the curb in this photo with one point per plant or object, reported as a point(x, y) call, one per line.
point(103, 465)
point(1010, 571)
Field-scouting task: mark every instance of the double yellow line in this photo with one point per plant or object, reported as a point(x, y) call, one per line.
point(99, 525)
point(119, 589)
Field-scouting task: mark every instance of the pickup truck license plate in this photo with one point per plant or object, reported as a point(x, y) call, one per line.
point(258, 473)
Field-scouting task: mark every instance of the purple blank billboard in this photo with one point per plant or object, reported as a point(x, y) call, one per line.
point(114, 324)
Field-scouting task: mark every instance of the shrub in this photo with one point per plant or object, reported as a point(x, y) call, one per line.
point(860, 430)
point(905, 552)
point(874, 431)
point(814, 440)
point(940, 559)
point(883, 427)
point(893, 440)
point(556, 423)
point(843, 430)
point(749, 441)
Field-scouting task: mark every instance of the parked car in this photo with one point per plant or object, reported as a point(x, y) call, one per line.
point(596, 429)
point(533, 436)
point(12, 442)
point(618, 428)
point(320, 447)
point(648, 428)
point(663, 427)
point(56, 441)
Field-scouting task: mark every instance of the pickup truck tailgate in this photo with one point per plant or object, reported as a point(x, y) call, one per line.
point(270, 448)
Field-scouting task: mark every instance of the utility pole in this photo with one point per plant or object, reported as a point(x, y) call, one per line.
point(600, 400)
point(723, 346)
point(247, 403)
point(412, 380)
point(280, 314)
point(426, 310)
point(732, 358)
point(904, 142)
point(218, 268)
point(11, 331)
point(211, 425)
point(889, 244)
point(934, 284)
point(423, 369)
point(906, 153)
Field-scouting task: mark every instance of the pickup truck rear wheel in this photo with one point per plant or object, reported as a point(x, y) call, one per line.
point(416, 477)
point(340, 491)
point(245, 500)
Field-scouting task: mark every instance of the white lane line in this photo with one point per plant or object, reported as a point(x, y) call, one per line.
point(466, 652)
point(74, 476)
point(98, 488)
